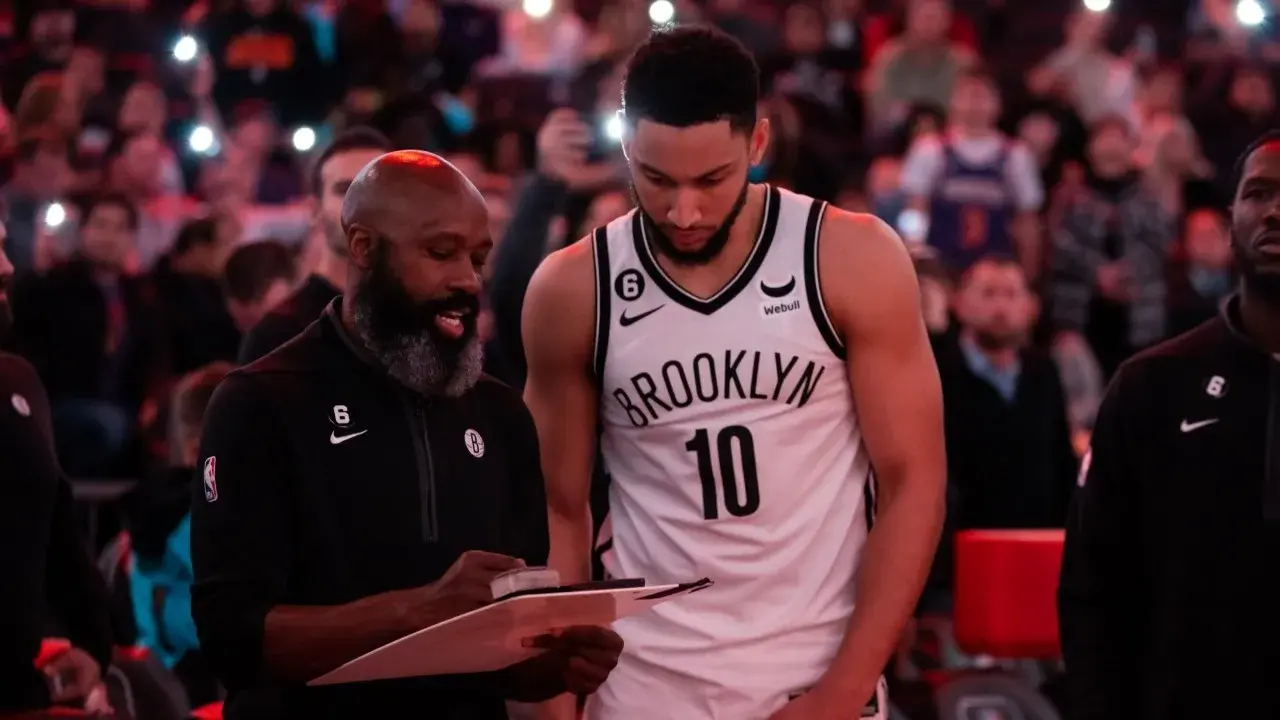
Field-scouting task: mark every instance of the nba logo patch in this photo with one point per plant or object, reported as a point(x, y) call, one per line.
point(210, 479)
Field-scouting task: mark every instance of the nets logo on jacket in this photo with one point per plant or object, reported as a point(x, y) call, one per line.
point(210, 478)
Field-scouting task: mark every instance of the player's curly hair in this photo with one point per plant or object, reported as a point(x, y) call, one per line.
point(691, 75)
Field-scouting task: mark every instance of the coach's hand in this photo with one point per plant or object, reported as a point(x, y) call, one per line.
point(586, 655)
point(465, 585)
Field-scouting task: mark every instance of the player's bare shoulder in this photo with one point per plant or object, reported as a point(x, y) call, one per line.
point(559, 306)
point(863, 266)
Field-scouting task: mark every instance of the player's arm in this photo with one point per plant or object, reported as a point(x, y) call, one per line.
point(1099, 594)
point(870, 290)
point(558, 326)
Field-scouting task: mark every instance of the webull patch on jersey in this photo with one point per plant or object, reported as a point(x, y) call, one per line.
point(774, 309)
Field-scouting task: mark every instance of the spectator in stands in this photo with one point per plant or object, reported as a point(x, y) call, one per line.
point(1110, 248)
point(883, 185)
point(817, 81)
point(1085, 74)
point(846, 33)
point(92, 330)
point(51, 31)
point(43, 563)
point(1200, 273)
point(738, 19)
point(134, 166)
point(1041, 133)
point(563, 168)
point(144, 109)
point(263, 52)
point(159, 524)
point(1009, 453)
point(256, 133)
point(920, 66)
point(258, 277)
point(882, 28)
point(1173, 168)
point(979, 189)
point(1228, 127)
point(331, 175)
point(41, 176)
point(188, 280)
point(549, 45)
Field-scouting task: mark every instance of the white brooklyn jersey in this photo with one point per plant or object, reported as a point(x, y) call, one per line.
point(730, 436)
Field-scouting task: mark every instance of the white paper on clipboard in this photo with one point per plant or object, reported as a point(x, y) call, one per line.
point(493, 637)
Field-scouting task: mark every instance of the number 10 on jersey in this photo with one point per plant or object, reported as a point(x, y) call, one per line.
point(733, 448)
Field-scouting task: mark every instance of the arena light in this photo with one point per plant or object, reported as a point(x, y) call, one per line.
point(202, 140)
point(185, 50)
point(1250, 13)
point(537, 8)
point(1097, 5)
point(661, 12)
point(304, 138)
point(55, 215)
point(613, 127)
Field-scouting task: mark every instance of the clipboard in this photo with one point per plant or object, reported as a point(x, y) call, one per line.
point(494, 637)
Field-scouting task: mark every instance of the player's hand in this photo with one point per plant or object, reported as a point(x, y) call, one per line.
point(588, 655)
point(72, 676)
point(465, 585)
point(816, 705)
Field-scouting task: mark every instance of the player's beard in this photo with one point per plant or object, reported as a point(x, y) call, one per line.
point(402, 335)
point(710, 250)
point(1256, 278)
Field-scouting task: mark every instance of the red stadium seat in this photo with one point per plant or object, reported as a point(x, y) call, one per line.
point(212, 711)
point(131, 653)
point(50, 649)
point(1006, 586)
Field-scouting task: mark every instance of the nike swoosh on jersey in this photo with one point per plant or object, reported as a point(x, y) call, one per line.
point(335, 439)
point(624, 321)
point(1190, 426)
point(782, 290)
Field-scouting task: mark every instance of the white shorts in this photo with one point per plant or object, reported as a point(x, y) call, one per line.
point(636, 691)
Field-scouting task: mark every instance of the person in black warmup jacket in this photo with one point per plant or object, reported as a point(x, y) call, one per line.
point(366, 480)
point(44, 565)
point(1166, 604)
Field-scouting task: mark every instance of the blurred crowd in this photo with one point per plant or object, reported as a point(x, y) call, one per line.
point(1060, 171)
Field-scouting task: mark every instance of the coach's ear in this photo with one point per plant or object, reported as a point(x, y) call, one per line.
point(360, 244)
point(760, 136)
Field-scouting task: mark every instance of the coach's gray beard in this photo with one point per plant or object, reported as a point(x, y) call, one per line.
point(416, 362)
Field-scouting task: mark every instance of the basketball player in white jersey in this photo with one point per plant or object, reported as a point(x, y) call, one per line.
point(749, 355)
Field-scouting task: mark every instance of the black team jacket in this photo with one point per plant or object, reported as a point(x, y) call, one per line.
point(1167, 602)
point(44, 563)
point(321, 482)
